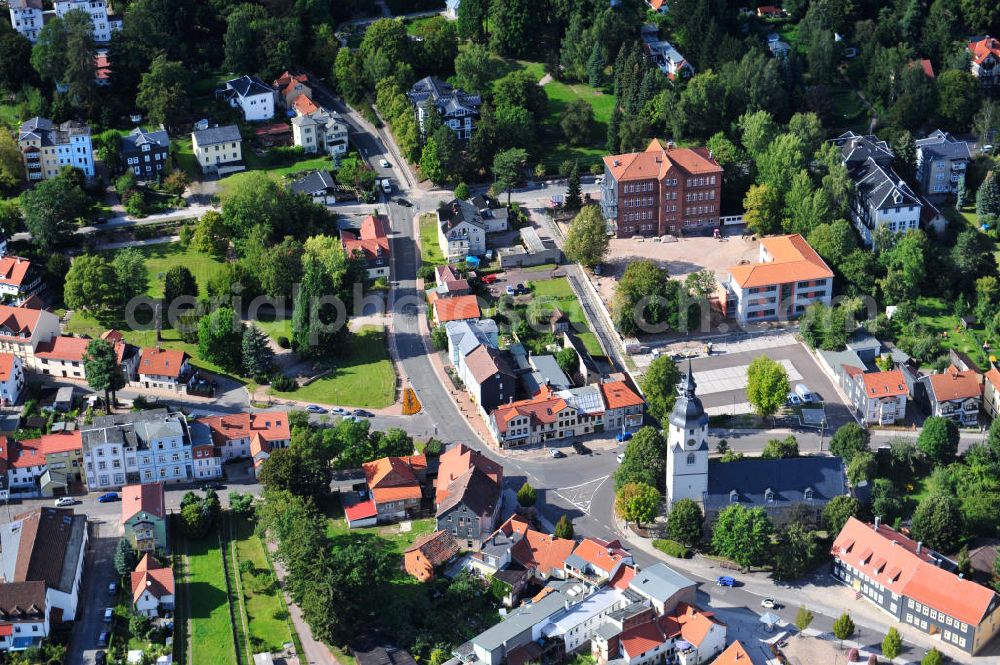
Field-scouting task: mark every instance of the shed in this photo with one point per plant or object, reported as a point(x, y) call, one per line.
point(64, 399)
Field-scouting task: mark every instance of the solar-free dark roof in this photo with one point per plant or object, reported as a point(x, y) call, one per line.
point(213, 135)
point(775, 483)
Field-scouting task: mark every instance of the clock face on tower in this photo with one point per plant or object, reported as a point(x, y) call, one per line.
point(691, 443)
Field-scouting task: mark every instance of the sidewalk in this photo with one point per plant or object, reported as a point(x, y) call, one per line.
point(316, 653)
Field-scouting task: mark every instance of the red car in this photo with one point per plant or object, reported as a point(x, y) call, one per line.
point(489, 279)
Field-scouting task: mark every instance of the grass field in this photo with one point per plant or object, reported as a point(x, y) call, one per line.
point(399, 540)
point(211, 630)
point(183, 154)
point(364, 377)
point(266, 610)
point(936, 314)
point(9, 116)
point(559, 292)
point(430, 250)
point(254, 163)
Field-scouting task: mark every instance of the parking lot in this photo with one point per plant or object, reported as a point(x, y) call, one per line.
point(721, 380)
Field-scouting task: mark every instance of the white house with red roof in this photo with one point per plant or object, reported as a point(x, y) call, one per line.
point(22, 331)
point(623, 407)
point(915, 585)
point(61, 357)
point(687, 634)
point(370, 243)
point(953, 394)
point(166, 369)
point(234, 434)
point(126, 354)
point(152, 587)
point(144, 516)
point(596, 561)
point(985, 61)
point(19, 280)
point(879, 398)
point(544, 417)
point(11, 378)
point(394, 485)
point(25, 462)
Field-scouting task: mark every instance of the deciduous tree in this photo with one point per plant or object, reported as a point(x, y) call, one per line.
point(587, 239)
point(645, 459)
point(178, 282)
point(564, 528)
point(91, 285)
point(843, 627)
point(838, 511)
point(507, 167)
point(220, 336)
point(637, 502)
point(938, 522)
point(130, 270)
point(849, 440)
point(767, 385)
point(163, 92)
point(781, 448)
point(659, 386)
point(684, 523)
point(892, 644)
point(100, 366)
point(796, 551)
point(939, 439)
point(742, 534)
point(49, 210)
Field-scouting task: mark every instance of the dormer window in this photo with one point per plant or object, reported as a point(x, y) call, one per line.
point(733, 497)
point(808, 494)
point(769, 495)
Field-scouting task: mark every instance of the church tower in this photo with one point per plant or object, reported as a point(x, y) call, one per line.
point(687, 448)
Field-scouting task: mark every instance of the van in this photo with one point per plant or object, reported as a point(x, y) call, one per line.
point(804, 393)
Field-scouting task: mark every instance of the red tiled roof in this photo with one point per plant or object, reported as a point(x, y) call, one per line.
point(695, 623)
point(304, 106)
point(61, 442)
point(393, 478)
point(984, 48)
point(542, 408)
point(360, 510)
point(63, 348)
point(456, 461)
point(26, 454)
point(456, 309)
point(622, 578)
point(908, 572)
point(103, 66)
point(657, 161)
point(993, 376)
point(438, 547)
point(6, 366)
point(792, 260)
point(642, 638)
point(885, 384)
point(117, 341)
point(370, 241)
point(954, 383)
point(18, 321)
point(277, 129)
point(13, 270)
point(270, 425)
point(162, 362)
point(617, 395)
point(602, 554)
point(151, 576)
point(734, 655)
point(147, 498)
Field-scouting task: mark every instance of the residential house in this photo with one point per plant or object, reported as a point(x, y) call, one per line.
point(165, 369)
point(428, 553)
point(290, 87)
point(318, 185)
point(104, 24)
point(395, 485)
point(770, 11)
point(662, 190)
point(879, 398)
point(152, 587)
point(985, 63)
point(449, 282)
point(47, 147)
point(915, 585)
point(881, 197)
point(24, 331)
point(11, 379)
point(932, 220)
point(516, 554)
point(596, 561)
point(251, 95)
point(623, 407)
point(144, 516)
point(63, 451)
point(468, 494)
point(320, 131)
point(954, 394)
point(687, 635)
point(456, 108)
point(734, 654)
point(24, 613)
point(126, 354)
point(546, 372)
point(46, 545)
point(991, 392)
point(146, 153)
point(44, 466)
point(206, 457)
point(233, 433)
point(788, 277)
point(24, 463)
point(451, 8)
point(27, 18)
point(61, 356)
point(139, 447)
point(371, 244)
point(102, 67)
point(467, 334)
point(539, 419)
point(661, 6)
point(19, 279)
point(941, 163)
point(488, 378)
point(219, 150)
point(459, 308)
point(664, 56)
point(462, 229)
point(778, 47)
point(589, 405)
point(661, 585)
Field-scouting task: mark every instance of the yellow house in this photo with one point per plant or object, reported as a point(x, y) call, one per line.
point(218, 150)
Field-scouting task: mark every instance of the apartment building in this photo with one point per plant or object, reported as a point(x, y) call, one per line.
point(788, 277)
point(953, 394)
point(145, 153)
point(941, 163)
point(663, 190)
point(136, 448)
point(985, 61)
point(104, 23)
point(24, 331)
point(11, 378)
point(27, 18)
point(879, 398)
point(320, 131)
point(251, 95)
point(219, 150)
point(47, 147)
point(233, 434)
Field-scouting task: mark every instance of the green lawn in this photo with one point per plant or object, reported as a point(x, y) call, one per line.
point(265, 609)
point(364, 378)
point(414, 24)
point(430, 250)
point(163, 257)
point(9, 116)
point(847, 110)
point(559, 292)
point(211, 629)
point(255, 163)
point(183, 154)
point(936, 314)
point(398, 539)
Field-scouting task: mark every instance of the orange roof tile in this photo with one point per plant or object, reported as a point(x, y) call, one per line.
point(618, 395)
point(603, 555)
point(13, 270)
point(622, 578)
point(438, 547)
point(147, 498)
point(456, 462)
point(61, 442)
point(270, 425)
point(150, 575)
point(656, 161)
point(792, 260)
point(393, 478)
point(993, 376)
point(542, 408)
point(456, 309)
point(885, 384)
point(304, 106)
point(735, 654)
point(162, 362)
point(6, 366)
point(63, 348)
point(26, 454)
point(641, 639)
point(695, 623)
point(16, 322)
point(907, 572)
point(370, 241)
point(984, 48)
point(954, 383)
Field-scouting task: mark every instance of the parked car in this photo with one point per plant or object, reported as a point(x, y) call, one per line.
point(112, 588)
point(339, 411)
point(489, 279)
point(102, 639)
point(108, 497)
point(806, 395)
point(725, 580)
point(403, 202)
point(509, 290)
point(620, 457)
point(520, 289)
point(64, 501)
point(313, 408)
point(623, 436)
point(361, 413)
point(793, 399)
point(384, 163)
point(109, 613)
point(557, 454)
point(768, 603)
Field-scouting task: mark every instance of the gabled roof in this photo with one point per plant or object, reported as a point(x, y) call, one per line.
point(884, 384)
point(43, 544)
point(393, 478)
point(735, 654)
point(162, 362)
point(269, 425)
point(371, 241)
point(63, 348)
point(618, 395)
point(940, 144)
point(542, 409)
point(14, 270)
point(21, 602)
point(304, 106)
point(147, 498)
point(139, 137)
point(17, 322)
point(6, 366)
point(213, 135)
point(456, 308)
point(792, 260)
point(474, 489)
point(317, 181)
point(603, 555)
point(249, 86)
point(150, 576)
point(446, 98)
point(438, 547)
point(657, 161)
point(61, 442)
point(485, 362)
point(953, 384)
point(456, 461)
point(533, 549)
point(659, 582)
point(984, 48)
point(893, 560)
point(786, 481)
point(993, 376)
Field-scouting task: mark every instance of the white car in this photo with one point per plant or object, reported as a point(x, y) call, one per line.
point(64, 501)
point(384, 163)
point(108, 614)
point(768, 603)
point(621, 457)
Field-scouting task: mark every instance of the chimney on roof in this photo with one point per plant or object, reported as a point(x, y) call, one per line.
point(617, 162)
point(920, 546)
point(670, 145)
point(878, 522)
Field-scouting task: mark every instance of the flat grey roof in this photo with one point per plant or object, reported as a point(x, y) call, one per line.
point(660, 582)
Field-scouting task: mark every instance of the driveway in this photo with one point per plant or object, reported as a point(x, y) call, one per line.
point(98, 573)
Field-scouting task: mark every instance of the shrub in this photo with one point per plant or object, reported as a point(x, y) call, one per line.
point(284, 342)
point(247, 567)
point(671, 548)
point(434, 448)
point(426, 273)
point(283, 384)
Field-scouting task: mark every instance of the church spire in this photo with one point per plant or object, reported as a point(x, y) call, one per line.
point(689, 384)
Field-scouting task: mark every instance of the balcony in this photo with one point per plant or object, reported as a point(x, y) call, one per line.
point(958, 167)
